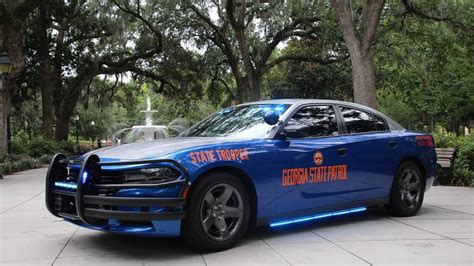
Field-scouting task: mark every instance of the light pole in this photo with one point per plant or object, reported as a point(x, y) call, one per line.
point(5, 68)
point(76, 118)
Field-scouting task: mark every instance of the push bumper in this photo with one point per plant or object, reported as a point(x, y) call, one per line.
point(138, 208)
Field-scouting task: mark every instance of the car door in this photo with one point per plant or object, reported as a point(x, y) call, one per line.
point(372, 153)
point(311, 161)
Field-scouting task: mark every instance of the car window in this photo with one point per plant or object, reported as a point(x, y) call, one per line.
point(358, 121)
point(243, 121)
point(312, 121)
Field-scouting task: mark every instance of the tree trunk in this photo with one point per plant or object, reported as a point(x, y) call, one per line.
point(3, 104)
point(363, 78)
point(66, 109)
point(11, 40)
point(62, 126)
point(4, 100)
point(358, 39)
point(253, 86)
point(240, 88)
point(46, 79)
point(63, 117)
point(57, 72)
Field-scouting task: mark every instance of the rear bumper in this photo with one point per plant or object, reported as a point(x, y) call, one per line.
point(150, 208)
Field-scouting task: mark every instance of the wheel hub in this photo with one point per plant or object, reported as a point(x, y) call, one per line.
point(218, 211)
point(410, 188)
point(221, 212)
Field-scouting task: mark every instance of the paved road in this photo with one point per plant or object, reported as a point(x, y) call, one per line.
point(441, 234)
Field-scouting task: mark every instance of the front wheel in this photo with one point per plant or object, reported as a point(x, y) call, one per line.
point(218, 213)
point(408, 188)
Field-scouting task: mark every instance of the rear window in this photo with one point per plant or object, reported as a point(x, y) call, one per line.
point(358, 121)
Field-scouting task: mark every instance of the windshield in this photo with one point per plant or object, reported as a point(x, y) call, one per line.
point(242, 121)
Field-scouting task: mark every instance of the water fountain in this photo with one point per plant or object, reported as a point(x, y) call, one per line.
point(147, 132)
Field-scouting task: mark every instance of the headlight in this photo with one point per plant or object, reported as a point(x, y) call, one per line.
point(151, 175)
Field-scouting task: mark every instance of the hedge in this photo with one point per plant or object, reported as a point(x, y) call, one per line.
point(463, 169)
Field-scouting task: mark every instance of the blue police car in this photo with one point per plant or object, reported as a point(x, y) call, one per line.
point(275, 163)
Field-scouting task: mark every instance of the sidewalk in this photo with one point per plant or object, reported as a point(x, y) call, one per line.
point(441, 234)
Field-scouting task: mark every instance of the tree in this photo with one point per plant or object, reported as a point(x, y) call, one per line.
point(46, 77)
point(12, 17)
point(89, 39)
point(359, 35)
point(425, 65)
point(299, 79)
point(248, 32)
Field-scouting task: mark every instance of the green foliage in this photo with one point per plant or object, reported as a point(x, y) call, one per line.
point(464, 161)
point(445, 140)
point(39, 147)
point(45, 158)
point(295, 79)
point(427, 66)
point(3, 157)
point(93, 123)
point(20, 165)
point(463, 169)
point(392, 104)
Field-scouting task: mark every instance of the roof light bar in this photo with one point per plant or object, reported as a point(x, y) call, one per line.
point(65, 185)
point(318, 216)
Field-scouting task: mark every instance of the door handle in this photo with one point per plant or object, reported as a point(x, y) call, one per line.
point(393, 143)
point(342, 151)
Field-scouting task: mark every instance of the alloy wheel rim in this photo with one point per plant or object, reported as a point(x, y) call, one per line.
point(221, 212)
point(410, 188)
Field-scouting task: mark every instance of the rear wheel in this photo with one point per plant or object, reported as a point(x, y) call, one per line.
point(218, 213)
point(407, 191)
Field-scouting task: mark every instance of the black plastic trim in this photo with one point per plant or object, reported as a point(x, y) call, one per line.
point(64, 192)
point(90, 161)
point(134, 216)
point(138, 202)
point(70, 161)
point(84, 213)
point(158, 185)
point(50, 178)
point(68, 216)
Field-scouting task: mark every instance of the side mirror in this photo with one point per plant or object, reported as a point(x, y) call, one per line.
point(271, 118)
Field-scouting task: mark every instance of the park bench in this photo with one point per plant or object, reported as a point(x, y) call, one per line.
point(445, 160)
point(445, 157)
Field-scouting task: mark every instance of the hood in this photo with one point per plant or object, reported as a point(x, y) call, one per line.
point(157, 148)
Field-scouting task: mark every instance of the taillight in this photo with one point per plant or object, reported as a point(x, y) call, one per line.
point(425, 141)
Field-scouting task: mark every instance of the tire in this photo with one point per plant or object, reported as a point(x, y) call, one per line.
point(217, 214)
point(408, 189)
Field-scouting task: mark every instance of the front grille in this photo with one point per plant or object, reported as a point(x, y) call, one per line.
point(98, 195)
point(109, 177)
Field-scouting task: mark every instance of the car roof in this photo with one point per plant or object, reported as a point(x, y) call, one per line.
point(394, 126)
point(309, 101)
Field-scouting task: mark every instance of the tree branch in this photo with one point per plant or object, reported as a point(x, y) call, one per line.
point(230, 6)
point(221, 80)
point(346, 22)
point(125, 8)
point(128, 60)
point(371, 11)
point(303, 58)
point(207, 20)
point(282, 35)
point(412, 9)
